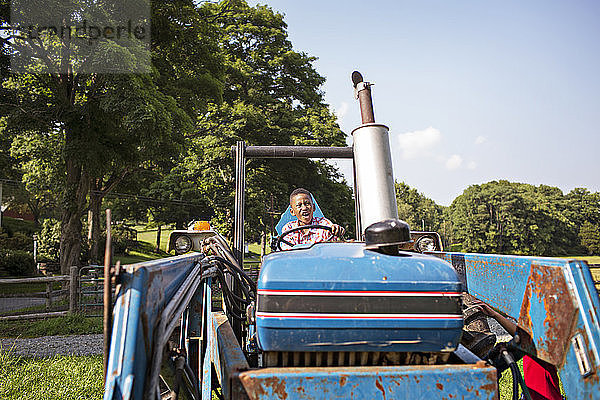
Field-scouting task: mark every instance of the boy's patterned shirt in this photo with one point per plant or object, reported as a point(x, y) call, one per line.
point(307, 236)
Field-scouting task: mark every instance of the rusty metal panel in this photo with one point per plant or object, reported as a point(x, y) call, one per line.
point(476, 381)
point(581, 284)
point(555, 304)
point(145, 290)
point(576, 384)
point(579, 382)
point(499, 280)
point(548, 313)
point(227, 357)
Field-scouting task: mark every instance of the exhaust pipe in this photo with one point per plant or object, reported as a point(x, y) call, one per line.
point(373, 162)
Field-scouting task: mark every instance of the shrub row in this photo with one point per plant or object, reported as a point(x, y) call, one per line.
point(16, 241)
point(16, 263)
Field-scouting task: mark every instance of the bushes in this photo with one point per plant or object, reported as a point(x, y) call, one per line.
point(16, 263)
point(16, 254)
point(122, 237)
point(18, 241)
point(49, 241)
point(589, 234)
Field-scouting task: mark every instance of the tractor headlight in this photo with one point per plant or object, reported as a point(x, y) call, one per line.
point(425, 243)
point(183, 244)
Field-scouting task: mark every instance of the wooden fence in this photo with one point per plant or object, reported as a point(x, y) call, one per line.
point(50, 294)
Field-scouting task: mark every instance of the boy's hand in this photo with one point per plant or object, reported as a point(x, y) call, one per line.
point(483, 307)
point(337, 230)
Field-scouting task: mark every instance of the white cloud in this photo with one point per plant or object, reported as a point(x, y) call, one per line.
point(418, 143)
point(480, 139)
point(341, 111)
point(472, 165)
point(454, 162)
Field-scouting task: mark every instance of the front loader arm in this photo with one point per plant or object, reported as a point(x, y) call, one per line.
point(555, 304)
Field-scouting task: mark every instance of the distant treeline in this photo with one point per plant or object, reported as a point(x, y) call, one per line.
point(509, 218)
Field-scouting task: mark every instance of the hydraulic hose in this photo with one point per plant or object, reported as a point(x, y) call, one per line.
point(517, 378)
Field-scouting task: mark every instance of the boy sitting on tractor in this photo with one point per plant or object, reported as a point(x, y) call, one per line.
point(319, 229)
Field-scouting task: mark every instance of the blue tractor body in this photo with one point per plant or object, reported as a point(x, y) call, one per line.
point(343, 297)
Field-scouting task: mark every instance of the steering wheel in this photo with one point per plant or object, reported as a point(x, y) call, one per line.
point(280, 238)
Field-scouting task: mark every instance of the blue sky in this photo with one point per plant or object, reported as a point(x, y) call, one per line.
point(472, 91)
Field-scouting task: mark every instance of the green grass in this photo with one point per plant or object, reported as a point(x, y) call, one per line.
point(136, 256)
point(505, 383)
point(255, 248)
point(58, 377)
point(150, 236)
point(76, 324)
point(143, 251)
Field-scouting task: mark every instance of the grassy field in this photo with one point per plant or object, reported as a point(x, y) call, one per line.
point(137, 256)
point(149, 236)
point(76, 324)
point(143, 251)
point(59, 377)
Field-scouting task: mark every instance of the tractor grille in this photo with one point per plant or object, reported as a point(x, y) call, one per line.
point(350, 359)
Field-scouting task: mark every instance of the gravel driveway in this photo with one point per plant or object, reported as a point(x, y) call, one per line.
point(47, 346)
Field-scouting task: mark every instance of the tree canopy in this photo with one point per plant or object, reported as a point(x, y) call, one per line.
point(517, 218)
point(271, 96)
point(103, 125)
point(220, 72)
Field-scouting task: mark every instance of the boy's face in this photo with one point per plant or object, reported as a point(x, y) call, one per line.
point(302, 208)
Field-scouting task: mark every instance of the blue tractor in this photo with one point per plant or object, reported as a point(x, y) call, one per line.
point(378, 317)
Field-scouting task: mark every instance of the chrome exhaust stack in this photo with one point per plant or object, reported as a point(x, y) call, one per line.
point(373, 162)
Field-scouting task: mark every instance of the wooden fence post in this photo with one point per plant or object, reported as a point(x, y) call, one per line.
point(48, 296)
point(73, 283)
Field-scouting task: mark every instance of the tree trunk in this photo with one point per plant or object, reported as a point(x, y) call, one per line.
point(95, 208)
point(35, 210)
point(73, 205)
point(158, 232)
point(70, 241)
point(263, 243)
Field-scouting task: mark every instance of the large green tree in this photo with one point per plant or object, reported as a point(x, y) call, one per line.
point(418, 210)
point(106, 124)
point(505, 217)
point(589, 235)
point(271, 96)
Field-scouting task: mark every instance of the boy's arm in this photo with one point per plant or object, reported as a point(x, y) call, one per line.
point(336, 230)
point(507, 324)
